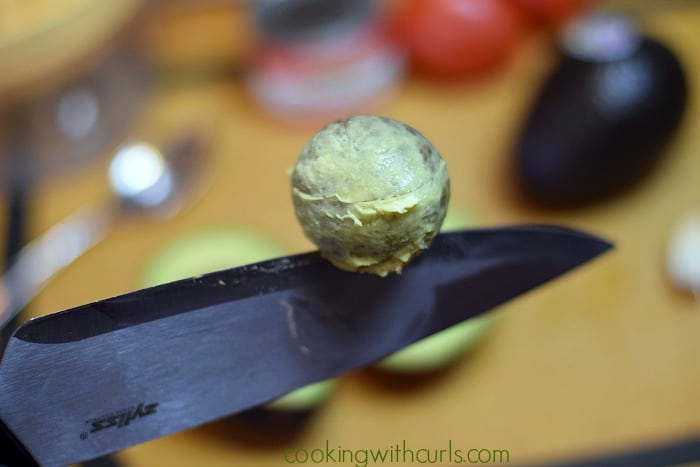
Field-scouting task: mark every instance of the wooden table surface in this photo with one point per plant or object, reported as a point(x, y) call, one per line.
point(606, 357)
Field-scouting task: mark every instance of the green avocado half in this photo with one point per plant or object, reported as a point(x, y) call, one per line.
point(202, 251)
point(445, 347)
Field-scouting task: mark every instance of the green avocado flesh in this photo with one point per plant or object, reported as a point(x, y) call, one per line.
point(445, 347)
point(304, 399)
point(441, 349)
point(205, 251)
point(200, 252)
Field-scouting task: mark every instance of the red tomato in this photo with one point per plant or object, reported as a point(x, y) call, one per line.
point(457, 38)
point(552, 13)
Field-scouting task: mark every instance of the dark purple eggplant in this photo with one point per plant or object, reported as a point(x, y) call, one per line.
point(602, 118)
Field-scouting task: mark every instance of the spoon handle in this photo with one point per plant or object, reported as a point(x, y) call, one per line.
point(48, 254)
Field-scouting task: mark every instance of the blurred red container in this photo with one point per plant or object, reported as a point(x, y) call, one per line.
point(320, 59)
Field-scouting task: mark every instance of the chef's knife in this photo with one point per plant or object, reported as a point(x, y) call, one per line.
point(81, 383)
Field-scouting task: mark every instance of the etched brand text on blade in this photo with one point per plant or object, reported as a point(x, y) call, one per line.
point(121, 418)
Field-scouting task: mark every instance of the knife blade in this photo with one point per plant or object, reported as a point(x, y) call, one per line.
point(95, 379)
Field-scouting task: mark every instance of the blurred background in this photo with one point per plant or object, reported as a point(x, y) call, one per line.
point(157, 135)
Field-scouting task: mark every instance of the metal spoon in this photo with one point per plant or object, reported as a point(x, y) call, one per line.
point(142, 179)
